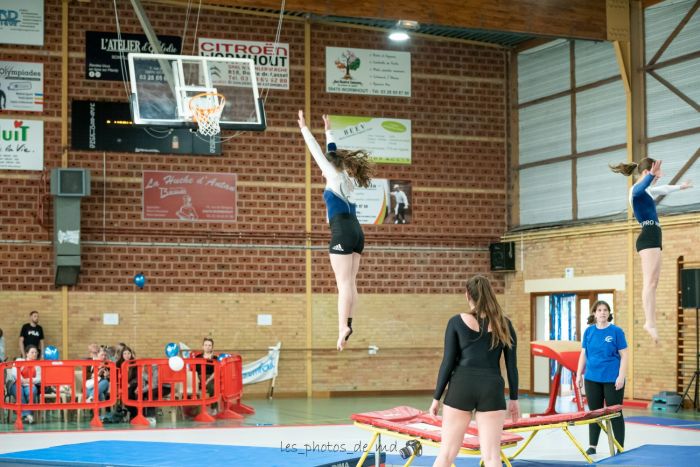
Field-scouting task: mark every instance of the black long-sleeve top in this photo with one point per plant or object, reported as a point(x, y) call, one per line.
point(472, 349)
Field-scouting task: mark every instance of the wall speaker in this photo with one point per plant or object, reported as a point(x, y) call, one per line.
point(70, 182)
point(502, 256)
point(690, 288)
point(68, 186)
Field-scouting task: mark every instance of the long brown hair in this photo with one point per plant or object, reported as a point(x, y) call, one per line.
point(132, 371)
point(485, 303)
point(628, 168)
point(591, 316)
point(357, 164)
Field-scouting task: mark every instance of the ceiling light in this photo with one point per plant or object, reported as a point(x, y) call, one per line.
point(398, 35)
point(402, 28)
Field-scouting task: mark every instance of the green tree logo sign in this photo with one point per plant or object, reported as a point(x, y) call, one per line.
point(348, 61)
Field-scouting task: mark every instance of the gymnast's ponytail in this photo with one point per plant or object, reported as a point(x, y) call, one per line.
point(485, 303)
point(628, 168)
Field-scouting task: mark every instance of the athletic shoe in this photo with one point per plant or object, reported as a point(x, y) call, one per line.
point(590, 451)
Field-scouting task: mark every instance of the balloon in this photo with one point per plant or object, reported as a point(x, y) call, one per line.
point(224, 356)
point(171, 350)
point(176, 363)
point(140, 280)
point(51, 353)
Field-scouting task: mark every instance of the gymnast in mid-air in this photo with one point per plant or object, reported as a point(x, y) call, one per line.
point(342, 169)
point(642, 197)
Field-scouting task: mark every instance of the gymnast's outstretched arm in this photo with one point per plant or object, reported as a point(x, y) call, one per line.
point(326, 167)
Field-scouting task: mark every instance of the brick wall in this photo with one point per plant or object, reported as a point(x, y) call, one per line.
point(215, 278)
point(608, 254)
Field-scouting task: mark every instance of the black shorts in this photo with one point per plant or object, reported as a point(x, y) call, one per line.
point(476, 389)
point(649, 237)
point(346, 235)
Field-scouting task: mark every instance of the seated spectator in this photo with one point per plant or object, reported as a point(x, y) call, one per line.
point(102, 377)
point(112, 354)
point(118, 351)
point(131, 376)
point(92, 351)
point(149, 384)
point(207, 353)
point(29, 375)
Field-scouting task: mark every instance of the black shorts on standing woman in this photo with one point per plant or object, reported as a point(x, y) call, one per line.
point(472, 368)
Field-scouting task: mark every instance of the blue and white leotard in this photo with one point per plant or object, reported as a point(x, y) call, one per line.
point(642, 199)
point(339, 186)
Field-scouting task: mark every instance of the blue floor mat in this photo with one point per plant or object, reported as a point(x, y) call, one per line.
point(473, 461)
point(158, 454)
point(656, 455)
point(141, 454)
point(669, 422)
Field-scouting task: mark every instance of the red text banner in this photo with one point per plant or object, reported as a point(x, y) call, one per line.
point(189, 196)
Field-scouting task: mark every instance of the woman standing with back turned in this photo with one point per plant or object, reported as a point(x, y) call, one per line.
point(474, 342)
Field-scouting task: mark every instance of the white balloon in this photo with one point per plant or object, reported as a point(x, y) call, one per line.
point(176, 363)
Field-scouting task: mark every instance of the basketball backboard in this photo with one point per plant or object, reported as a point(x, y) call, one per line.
point(163, 85)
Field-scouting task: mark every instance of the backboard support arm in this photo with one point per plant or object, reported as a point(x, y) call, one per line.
point(155, 43)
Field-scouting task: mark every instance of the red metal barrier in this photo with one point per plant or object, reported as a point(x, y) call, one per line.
point(232, 389)
point(171, 388)
point(67, 378)
point(155, 385)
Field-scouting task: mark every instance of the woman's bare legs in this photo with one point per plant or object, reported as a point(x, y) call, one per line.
point(454, 425)
point(651, 269)
point(355, 269)
point(345, 282)
point(490, 429)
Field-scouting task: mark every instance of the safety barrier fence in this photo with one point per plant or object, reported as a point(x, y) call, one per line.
point(232, 389)
point(141, 383)
point(41, 385)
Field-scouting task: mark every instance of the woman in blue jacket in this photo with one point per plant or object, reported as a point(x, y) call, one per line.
point(603, 366)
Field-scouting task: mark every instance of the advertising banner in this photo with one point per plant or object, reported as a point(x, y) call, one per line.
point(388, 140)
point(22, 86)
point(365, 71)
point(271, 59)
point(105, 52)
point(21, 144)
point(189, 196)
point(383, 202)
point(264, 368)
point(22, 22)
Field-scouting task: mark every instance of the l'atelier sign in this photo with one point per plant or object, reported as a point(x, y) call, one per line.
point(105, 52)
point(107, 126)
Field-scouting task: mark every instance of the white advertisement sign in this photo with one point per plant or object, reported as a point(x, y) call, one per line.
point(22, 22)
point(21, 144)
point(372, 202)
point(388, 140)
point(271, 59)
point(384, 202)
point(22, 86)
point(364, 71)
point(264, 368)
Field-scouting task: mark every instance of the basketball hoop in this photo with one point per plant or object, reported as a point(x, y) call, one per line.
point(206, 110)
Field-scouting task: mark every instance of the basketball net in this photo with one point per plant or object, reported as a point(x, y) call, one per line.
point(206, 110)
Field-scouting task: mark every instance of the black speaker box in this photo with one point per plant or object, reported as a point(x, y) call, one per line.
point(502, 256)
point(690, 288)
